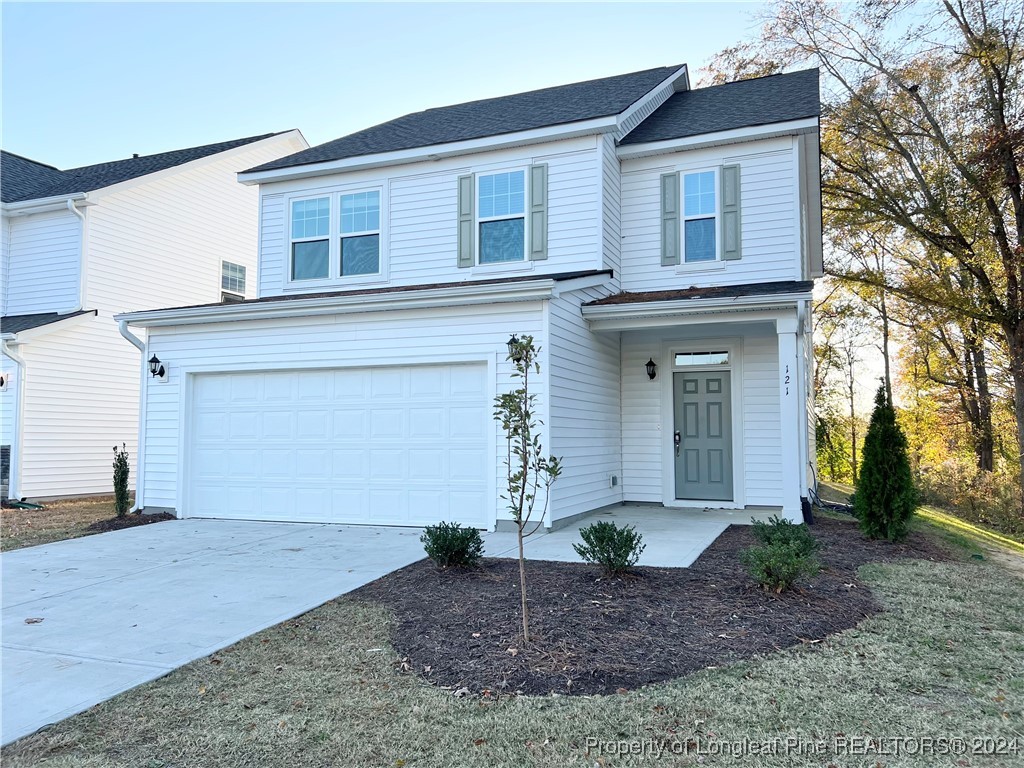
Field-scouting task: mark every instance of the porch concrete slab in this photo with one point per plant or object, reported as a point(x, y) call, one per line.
point(673, 538)
point(119, 609)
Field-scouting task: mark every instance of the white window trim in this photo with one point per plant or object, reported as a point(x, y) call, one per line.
point(334, 278)
point(507, 266)
point(716, 263)
point(292, 240)
point(245, 278)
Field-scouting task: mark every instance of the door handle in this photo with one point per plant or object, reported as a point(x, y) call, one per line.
point(678, 439)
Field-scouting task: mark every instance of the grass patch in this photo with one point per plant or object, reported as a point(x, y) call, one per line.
point(66, 519)
point(946, 657)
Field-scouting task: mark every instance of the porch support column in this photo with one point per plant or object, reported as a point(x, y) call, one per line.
point(789, 417)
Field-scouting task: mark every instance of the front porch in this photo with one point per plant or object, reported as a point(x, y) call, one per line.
point(673, 537)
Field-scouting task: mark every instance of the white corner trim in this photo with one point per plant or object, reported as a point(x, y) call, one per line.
point(18, 413)
point(332, 305)
point(434, 152)
point(734, 136)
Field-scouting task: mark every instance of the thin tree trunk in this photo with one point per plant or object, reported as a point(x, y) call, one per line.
point(884, 312)
point(1015, 343)
point(985, 438)
point(522, 588)
point(853, 432)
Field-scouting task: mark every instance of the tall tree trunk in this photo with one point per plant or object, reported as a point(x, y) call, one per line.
point(884, 312)
point(853, 433)
point(1015, 343)
point(985, 437)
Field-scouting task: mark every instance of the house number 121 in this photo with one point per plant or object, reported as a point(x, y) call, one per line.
point(787, 380)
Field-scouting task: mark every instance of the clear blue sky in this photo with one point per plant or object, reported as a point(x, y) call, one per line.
point(90, 82)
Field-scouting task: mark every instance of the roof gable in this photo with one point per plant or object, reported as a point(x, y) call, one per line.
point(742, 104)
point(488, 117)
point(22, 179)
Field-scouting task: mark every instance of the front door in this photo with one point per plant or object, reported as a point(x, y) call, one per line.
point(703, 435)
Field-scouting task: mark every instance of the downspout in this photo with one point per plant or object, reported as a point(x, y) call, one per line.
point(14, 479)
point(81, 256)
point(122, 327)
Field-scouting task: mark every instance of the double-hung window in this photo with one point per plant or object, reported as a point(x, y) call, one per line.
point(360, 233)
point(311, 245)
point(501, 217)
point(700, 217)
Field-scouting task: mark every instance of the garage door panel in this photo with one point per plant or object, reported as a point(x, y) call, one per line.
point(403, 446)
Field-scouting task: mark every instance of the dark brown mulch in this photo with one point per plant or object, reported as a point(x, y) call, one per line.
point(599, 635)
point(128, 521)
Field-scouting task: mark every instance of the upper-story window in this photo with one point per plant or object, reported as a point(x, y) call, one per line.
point(700, 217)
point(353, 252)
point(311, 245)
point(360, 233)
point(232, 281)
point(501, 217)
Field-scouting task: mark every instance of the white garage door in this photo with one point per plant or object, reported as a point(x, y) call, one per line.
point(405, 446)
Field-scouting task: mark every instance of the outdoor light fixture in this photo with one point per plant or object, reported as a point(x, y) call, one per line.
point(514, 352)
point(156, 367)
point(652, 369)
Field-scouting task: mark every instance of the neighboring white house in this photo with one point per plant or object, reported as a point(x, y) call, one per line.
point(80, 245)
point(659, 244)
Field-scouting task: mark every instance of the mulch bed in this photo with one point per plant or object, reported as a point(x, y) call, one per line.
point(128, 521)
point(593, 634)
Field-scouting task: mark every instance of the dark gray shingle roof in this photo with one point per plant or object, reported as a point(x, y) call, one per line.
point(759, 101)
point(24, 179)
point(19, 323)
point(489, 117)
point(709, 292)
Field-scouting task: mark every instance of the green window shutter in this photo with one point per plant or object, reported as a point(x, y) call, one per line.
point(669, 219)
point(731, 212)
point(467, 237)
point(538, 212)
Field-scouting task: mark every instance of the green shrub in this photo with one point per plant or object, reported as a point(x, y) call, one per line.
point(778, 531)
point(450, 545)
point(885, 497)
point(614, 549)
point(778, 565)
point(122, 503)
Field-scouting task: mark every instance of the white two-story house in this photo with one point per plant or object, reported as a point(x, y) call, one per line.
point(79, 245)
point(657, 242)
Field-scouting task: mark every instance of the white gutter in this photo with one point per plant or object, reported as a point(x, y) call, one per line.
point(436, 151)
point(734, 136)
point(81, 255)
point(41, 205)
point(693, 306)
point(333, 305)
point(140, 455)
point(14, 478)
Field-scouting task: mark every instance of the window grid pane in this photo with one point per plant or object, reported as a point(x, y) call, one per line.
point(311, 218)
point(360, 212)
point(702, 358)
point(360, 255)
point(502, 194)
point(502, 241)
point(232, 277)
point(699, 194)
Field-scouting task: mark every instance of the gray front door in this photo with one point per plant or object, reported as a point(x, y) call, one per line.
point(703, 435)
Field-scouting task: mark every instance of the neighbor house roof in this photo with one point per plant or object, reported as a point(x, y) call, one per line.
point(745, 103)
point(488, 117)
point(19, 323)
point(709, 292)
point(23, 179)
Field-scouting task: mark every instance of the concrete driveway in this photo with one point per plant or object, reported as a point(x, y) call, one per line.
point(88, 618)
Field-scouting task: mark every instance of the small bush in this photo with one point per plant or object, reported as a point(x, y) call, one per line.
point(450, 545)
point(614, 549)
point(886, 496)
point(778, 531)
point(121, 470)
point(777, 566)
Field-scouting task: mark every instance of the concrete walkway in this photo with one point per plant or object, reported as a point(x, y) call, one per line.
point(673, 538)
point(88, 618)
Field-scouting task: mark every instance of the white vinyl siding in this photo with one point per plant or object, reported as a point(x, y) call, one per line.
point(377, 339)
point(44, 254)
point(419, 210)
point(611, 223)
point(770, 221)
point(644, 426)
point(585, 429)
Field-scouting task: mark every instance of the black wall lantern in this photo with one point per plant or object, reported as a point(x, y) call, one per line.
point(515, 353)
point(156, 367)
point(652, 369)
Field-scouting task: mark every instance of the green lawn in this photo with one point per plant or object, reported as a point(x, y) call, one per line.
point(946, 658)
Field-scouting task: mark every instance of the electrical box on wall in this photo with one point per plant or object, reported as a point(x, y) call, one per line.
point(613, 480)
